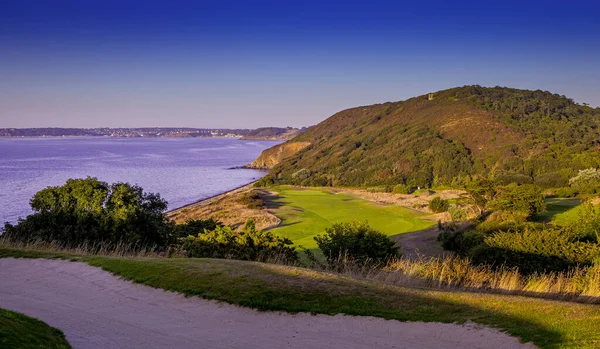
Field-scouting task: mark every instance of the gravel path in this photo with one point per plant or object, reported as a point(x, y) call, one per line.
point(97, 310)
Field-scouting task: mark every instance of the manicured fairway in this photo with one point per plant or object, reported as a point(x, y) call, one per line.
point(561, 211)
point(307, 212)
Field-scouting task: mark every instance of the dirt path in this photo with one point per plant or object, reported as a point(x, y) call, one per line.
point(421, 244)
point(97, 310)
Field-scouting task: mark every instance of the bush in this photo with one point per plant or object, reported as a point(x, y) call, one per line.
point(247, 244)
point(195, 227)
point(252, 200)
point(527, 199)
point(401, 189)
point(88, 211)
point(438, 205)
point(356, 241)
point(536, 250)
point(457, 213)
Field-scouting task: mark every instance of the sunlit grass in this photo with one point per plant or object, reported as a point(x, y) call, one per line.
point(307, 212)
point(23, 332)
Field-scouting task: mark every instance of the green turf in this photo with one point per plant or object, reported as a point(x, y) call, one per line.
point(561, 211)
point(549, 324)
point(18, 331)
point(307, 212)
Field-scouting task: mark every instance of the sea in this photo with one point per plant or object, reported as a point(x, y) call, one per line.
point(181, 170)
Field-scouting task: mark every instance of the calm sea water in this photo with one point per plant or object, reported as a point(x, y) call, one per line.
point(182, 170)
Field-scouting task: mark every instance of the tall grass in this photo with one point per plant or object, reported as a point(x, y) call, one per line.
point(95, 248)
point(579, 284)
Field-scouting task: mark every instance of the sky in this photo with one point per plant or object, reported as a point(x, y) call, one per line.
point(247, 64)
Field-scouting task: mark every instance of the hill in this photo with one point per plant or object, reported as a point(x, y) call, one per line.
point(273, 133)
point(447, 138)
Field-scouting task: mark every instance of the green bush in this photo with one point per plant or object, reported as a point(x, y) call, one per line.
point(527, 199)
point(356, 241)
point(195, 227)
point(88, 211)
point(438, 205)
point(252, 200)
point(457, 213)
point(536, 250)
point(247, 244)
point(401, 189)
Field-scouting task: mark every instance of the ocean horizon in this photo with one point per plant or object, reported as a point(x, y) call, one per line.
point(181, 170)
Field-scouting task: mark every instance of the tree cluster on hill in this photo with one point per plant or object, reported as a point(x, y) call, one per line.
point(463, 134)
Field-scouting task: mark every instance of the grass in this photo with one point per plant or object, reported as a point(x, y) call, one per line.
point(560, 211)
point(547, 323)
point(305, 213)
point(18, 331)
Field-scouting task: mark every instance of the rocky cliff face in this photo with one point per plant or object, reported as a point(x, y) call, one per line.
point(274, 155)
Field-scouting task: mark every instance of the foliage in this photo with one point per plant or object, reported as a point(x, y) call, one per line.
point(587, 226)
point(356, 241)
point(438, 205)
point(587, 181)
point(195, 227)
point(401, 189)
point(536, 250)
point(247, 244)
point(457, 213)
point(252, 200)
point(481, 192)
point(527, 199)
point(546, 139)
point(84, 211)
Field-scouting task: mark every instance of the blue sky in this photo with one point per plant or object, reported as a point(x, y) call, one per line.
point(277, 63)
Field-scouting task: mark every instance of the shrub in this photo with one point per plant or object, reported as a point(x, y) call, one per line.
point(438, 205)
point(247, 244)
point(527, 199)
point(252, 200)
point(195, 227)
point(88, 211)
point(536, 250)
point(457, 213)
point(356, 241)
point(401, 189)
point(550, 180)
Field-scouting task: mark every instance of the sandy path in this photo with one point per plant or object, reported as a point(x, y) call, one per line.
point(98, 310)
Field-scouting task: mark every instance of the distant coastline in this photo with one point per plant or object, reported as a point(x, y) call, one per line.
point(266, 133)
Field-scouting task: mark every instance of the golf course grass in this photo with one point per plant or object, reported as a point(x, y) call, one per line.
point(547, 323)
point(18, 331)
point(307, 212)
point(561, 211)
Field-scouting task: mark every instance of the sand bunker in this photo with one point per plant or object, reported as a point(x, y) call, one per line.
point(97, 310)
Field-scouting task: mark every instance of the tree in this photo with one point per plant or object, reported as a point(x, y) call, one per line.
point(356, 241)
point(527, 199)
point(92, 212)
point(481, 192)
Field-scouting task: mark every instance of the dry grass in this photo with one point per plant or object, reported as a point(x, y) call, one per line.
point(97, 249)
point(579, 285)
point(227, 209)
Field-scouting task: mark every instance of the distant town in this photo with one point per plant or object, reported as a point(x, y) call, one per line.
point(144, 132)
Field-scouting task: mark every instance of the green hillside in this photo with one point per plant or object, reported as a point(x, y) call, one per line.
point(508, 134)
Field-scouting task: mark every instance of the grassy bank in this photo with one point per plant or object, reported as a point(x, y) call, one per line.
point(306, 212)
point(553, 324)
point(18, 331)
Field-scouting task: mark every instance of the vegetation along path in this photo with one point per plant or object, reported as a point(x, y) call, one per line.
point(97, 310)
